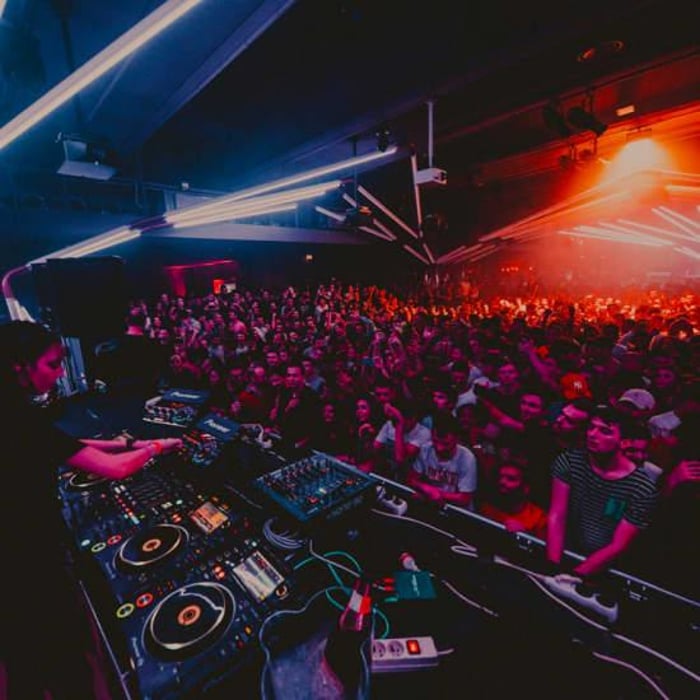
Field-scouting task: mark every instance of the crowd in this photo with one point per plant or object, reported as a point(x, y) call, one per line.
point(572, 419)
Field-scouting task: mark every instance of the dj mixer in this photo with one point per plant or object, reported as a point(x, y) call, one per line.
point(316, 487)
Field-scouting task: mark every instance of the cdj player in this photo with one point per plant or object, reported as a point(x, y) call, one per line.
point(205, 442)
point(176, 407)
point(181, 576)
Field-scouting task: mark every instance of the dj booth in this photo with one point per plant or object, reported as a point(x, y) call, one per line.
point(221, 572)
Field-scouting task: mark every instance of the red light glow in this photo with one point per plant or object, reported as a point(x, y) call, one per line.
point(637, 156)
point(412, 646)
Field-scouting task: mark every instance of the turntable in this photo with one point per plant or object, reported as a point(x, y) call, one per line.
point(189, 620)
point(181, 633)
point(151, 547)
point(82, 495)
point(83, 481)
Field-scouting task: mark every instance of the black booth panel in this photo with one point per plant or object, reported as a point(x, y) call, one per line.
point(83, 297)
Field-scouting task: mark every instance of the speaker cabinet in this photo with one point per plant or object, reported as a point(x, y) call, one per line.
point(83, 297)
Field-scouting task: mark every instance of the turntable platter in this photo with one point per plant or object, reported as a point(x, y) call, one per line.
point(151, 546)
point(81, 481)
point(189, 620)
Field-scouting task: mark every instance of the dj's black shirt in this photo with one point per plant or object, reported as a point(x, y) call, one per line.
point(32, 451)
point(131, 362)
point(44, 627)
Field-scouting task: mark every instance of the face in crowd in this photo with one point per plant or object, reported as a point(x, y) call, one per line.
point(383, 394)
point(636, 450)
point(531, 407)
point(362, 411)
point(294, 379)
point(441, 400)
point(510, 480)
point(602, 437)
point(445, 445)
point(328, 413)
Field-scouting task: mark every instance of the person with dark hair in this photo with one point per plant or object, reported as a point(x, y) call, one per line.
point(296, 412)
point(510, 504)
point(686, 403)
point(333, 435)
point(44, 641)
point(600, 500)
point(364, 425)
point(134, 361)
point(399, 439)
point(569, 427)
point(669, 548)
point(635, 446)
point(445, 471)
point(443, 399)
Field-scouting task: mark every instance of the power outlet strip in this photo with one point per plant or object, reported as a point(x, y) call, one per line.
point(391, 504)
point(403, 654)
point(575, 591)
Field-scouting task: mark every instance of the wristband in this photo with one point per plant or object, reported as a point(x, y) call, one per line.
point(130, 442)
point(157, 447)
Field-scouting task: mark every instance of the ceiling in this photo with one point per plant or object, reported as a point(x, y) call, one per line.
point(236, 93)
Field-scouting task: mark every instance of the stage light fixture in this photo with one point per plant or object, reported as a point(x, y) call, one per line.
point(93, 245)
point(555, 121)
point(98, 65)
point(383, 138)
point(358, 216)
point(585, 121)
point(227, 200)
point(243, 213)
point(225, 210)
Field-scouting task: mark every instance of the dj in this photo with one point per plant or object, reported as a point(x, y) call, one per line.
point(45, 632)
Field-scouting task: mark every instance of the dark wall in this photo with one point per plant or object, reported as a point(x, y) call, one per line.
point(272, 264)
point(259, 264)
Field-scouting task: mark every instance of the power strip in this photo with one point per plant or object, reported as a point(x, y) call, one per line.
point(403, 654)
point(576, 591)
point(391, 504)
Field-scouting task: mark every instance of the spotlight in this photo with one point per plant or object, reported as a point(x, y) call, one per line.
point(555, 121)
point(581, 119)
point(433, 224)
point(383, 141)
point(358, 216)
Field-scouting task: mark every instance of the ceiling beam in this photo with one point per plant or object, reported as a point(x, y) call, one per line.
point(253, 232)
point(223, 55)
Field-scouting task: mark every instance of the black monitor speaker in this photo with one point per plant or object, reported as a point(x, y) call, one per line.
point(83, 297)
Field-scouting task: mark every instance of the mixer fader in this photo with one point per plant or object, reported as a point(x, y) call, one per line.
point(316, 486)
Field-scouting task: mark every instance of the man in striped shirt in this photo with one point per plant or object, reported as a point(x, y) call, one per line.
point(600, 499)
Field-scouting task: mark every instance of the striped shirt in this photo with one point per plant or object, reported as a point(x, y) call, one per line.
point(597, 505)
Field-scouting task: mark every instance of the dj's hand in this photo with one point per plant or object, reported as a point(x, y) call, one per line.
point(170, 445)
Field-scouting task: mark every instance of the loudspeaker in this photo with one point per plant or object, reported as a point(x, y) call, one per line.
point(83, 297)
